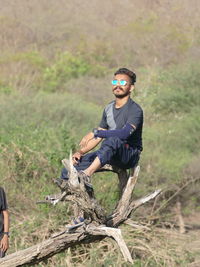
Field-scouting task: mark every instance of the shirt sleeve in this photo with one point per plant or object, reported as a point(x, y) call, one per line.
point(3, 202)
point(135, 116)
point(123, 133)
point(103, 124)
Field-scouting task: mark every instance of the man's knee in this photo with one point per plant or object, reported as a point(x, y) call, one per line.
point(112, 142)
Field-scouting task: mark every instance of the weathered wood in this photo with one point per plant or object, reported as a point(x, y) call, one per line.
point(52, 246)
point(97, 225)
point(126, 196)
point(78, 195)
point(117, 218)
point(48, 248)
point(121, 173)
point(73, 174)
point(117, 236)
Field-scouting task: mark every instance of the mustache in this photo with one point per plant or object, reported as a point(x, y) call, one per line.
point(117, 87)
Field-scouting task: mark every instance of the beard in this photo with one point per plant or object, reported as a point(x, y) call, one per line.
point(122, 94)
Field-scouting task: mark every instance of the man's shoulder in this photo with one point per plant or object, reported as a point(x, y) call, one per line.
point(134, 105)
point(109, 105)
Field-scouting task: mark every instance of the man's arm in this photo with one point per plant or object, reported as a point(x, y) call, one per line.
point(4, 243)
point(134, 120)
point(85, 140)
point(123, 133)
point(87, 143)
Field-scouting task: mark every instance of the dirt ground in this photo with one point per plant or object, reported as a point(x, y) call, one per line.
point(189, 242)
point(192, 238)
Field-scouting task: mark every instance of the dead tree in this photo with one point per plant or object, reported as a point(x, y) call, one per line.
point(96, 226)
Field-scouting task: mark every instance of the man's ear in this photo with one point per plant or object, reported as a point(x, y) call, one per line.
point(132, 88)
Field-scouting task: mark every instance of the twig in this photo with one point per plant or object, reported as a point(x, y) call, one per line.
point(116, 234)
point(180, 218)
point(175, 194)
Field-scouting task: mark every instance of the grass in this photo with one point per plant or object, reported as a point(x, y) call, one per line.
point(54, 80)
point(39, 129)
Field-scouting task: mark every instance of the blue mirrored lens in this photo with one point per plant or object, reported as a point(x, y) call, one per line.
point(114, 82)
point(122, 82)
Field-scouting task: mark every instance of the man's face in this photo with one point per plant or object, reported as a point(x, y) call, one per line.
point(121, 91)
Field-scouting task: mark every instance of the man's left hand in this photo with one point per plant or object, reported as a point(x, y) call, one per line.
point(4, 243)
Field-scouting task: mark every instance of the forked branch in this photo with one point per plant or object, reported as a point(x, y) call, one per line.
point(96, 227)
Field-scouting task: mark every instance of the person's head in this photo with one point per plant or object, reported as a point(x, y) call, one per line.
point(123, 82)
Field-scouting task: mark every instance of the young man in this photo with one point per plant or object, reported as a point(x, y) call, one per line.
point(4, 224)
point(120, 129)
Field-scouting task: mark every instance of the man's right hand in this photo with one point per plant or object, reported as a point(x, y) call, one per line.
point(76, 157)
point(87, 143)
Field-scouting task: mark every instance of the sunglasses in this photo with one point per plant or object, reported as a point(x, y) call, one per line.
point(122, 82)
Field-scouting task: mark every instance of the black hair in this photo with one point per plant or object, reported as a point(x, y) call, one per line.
point(128, 72)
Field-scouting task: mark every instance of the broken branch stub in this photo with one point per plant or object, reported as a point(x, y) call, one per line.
point(78, 194)
point(72, 172)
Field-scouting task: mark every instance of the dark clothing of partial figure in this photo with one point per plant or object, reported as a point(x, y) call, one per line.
point(114, 151)
point(3, 206)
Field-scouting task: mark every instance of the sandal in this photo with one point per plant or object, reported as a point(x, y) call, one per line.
point(77, 222)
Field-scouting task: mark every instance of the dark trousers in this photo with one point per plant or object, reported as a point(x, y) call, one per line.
point(113, 151)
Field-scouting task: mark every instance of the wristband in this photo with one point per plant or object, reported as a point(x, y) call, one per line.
point(95, 132)
point(6, 233)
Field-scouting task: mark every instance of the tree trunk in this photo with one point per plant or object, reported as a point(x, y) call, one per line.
point(96, 227)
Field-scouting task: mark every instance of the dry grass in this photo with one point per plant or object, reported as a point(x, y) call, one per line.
point(112, 34)
point(158, 247)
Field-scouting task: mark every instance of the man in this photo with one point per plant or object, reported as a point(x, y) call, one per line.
point(4, 224)
point(120, 129)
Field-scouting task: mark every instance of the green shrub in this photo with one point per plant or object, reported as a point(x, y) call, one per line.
point(177, 89)
point(66, 67)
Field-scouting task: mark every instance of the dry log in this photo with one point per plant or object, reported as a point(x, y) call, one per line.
point(121, 173)
point(96, 226)
point(117, 236)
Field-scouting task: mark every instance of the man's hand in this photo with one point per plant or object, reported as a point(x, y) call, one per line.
point(76, 157)
point(86, 139)
point(4, 243)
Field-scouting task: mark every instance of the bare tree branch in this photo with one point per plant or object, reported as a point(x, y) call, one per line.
point(96, 226)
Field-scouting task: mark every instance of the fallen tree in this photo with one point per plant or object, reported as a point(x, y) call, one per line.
point(96, 226)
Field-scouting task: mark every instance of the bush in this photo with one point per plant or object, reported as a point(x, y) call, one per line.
point(66, 67)
point(178, 89)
